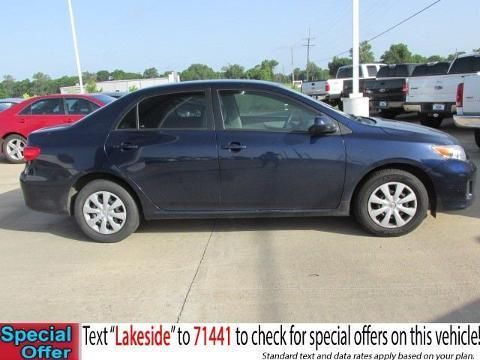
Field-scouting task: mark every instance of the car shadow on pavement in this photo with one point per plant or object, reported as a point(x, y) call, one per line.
point(469, 313)
point(15, 216)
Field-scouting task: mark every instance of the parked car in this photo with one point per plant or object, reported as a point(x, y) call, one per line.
point(468, 105)
point(433, 97)
point(330, 90)
point(6, 103)
point(18, 121)
point(240, 149)
point(387, 92)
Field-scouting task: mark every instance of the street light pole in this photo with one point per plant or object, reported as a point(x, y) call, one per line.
point(356, 103)
point(75, 46)
point(355, 48)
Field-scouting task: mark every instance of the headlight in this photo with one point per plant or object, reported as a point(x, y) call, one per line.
point(450, 152)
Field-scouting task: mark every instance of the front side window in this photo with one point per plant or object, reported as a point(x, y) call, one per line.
point(77, 106)
point(45, 107)
point(251, 110)
point(174, 111)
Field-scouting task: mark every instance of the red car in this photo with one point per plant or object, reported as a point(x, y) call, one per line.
point(17, 122)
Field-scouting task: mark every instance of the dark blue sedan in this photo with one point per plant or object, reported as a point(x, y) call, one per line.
point(240, 149)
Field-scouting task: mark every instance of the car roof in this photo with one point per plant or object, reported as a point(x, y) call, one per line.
point(259, 84)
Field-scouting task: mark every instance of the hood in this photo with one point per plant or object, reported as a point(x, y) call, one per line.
point(414, 132)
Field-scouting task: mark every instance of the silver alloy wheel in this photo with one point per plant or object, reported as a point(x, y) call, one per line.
point(392, 205)
point(15, 148)
point(105, 212)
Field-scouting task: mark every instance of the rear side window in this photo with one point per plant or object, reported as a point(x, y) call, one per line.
point(347, 72)
point(372, 70)
point(129, 121)
point(464, 65)
point(174, 111)
point(440, 68)
point(78, 106)
point(394, 71)
point(45, 107)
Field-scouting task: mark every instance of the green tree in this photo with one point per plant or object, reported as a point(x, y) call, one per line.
point(150, 73)
point(397, 54)
point(365, 53)
point(8, 86)
point(103, 75)
point(91, 87)
point(418, 59)
point(263, 71)
point(315, 72)
point(42, 84)
point(233, 71)
point(434, 58)
point(336, 63)
point(198, 72)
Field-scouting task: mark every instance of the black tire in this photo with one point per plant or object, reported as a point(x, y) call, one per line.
point(374, 181)
point(477, 137)
point(430, 121)
point(11, 158)
point(131, 222)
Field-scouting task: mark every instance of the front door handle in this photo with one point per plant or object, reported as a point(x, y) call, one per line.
point(126, 146)
point(234, 147)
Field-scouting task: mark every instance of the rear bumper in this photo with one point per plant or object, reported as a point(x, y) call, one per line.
point(45, 195)
point(454, 183)
point(389, 105)
point(467, 121)
point(427, 108)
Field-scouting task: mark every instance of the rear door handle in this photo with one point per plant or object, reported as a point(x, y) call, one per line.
point(126, 146)
point(234, 146)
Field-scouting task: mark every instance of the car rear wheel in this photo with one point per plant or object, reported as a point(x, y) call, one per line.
point(106, 212)
point(13, 148)
point(477, 137)
point(391, 203)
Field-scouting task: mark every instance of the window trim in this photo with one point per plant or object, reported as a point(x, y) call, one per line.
point(269, 92)
point(209, 112)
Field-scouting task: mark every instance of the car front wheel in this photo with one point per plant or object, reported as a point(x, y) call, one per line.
point(13, 148)
point(391, 203)
point(106, 212)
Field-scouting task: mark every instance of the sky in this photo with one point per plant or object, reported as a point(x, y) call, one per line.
point(170, 35)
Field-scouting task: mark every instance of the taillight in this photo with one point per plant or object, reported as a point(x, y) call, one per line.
point(405, 87)
point(30, 153)
point(327, 86)
point(460, 95)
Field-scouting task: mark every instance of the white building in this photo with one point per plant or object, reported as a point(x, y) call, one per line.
point(124, 86)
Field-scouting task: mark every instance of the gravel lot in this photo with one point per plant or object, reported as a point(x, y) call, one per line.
point(260, 270)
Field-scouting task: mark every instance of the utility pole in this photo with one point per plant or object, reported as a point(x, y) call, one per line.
point(75, 45)
point(291, 62)
point(308, 45)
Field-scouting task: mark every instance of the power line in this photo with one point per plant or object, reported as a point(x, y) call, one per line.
point(390, 28)
point(404, 20)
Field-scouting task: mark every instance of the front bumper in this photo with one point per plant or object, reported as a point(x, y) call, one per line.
point(454, 183)
point(467, 121)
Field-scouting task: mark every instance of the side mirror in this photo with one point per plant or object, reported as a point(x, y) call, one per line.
point(323, 125)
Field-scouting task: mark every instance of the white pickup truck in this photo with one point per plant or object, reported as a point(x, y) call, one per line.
point(330, 90)
point(468, 105)
point(433, 97)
